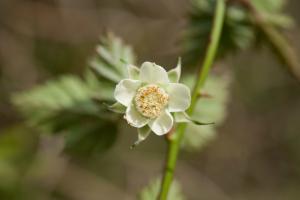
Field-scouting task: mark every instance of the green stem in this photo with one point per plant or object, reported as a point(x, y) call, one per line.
point(175, 140)
point(282, 47)
point(276, 39)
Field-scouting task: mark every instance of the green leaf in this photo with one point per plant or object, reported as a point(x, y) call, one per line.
point(43, 101)
point(270, 6)
point(133, 71)
point(101, 90)
point(104, 70)
point(112, 53)
point(152, 190)
point(91, 138)
point(209, 108)
point(65, 105)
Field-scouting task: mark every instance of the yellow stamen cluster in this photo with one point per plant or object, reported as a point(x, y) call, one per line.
point(150, 100)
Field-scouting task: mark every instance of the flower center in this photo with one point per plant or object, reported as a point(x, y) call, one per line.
point(150, 100)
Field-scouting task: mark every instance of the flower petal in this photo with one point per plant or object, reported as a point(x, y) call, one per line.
point(180, 97)
point(162, 124)
point(125, 91)
point(152, 73)
point(134, 118)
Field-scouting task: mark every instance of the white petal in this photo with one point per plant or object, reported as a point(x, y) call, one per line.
point(152, 73)
point(162, 124)
point(180, 97)
point(125, 91)
point(134, 118)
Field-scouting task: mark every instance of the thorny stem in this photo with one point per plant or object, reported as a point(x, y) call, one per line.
point(175, 140)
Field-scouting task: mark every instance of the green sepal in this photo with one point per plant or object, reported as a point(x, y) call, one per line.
point(143, 133)
point(174, 74)
point(183, 117)
point(116, 107)
point(133, 72)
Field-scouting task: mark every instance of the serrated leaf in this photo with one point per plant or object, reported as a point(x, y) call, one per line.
point(212, 108)
point(112, 54)
point(104, 70)
point(133, 71)
point(91, 138)
point(43, 101)
point(101, 90)
point(152, 190)
point(65, 105)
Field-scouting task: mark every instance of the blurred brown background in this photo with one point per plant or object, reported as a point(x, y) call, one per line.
point(256, 155)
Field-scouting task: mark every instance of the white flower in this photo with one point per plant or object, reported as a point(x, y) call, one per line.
point(150, 95)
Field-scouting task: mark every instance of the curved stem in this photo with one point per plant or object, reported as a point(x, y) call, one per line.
point(276, 39)
point(283, 49)
point(175, 140)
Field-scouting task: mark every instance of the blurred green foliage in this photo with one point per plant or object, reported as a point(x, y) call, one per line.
point(239, 31)
point(18, 145)
point(211, 107)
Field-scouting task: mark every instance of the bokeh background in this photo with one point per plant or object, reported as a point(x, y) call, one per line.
point(256, 155)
